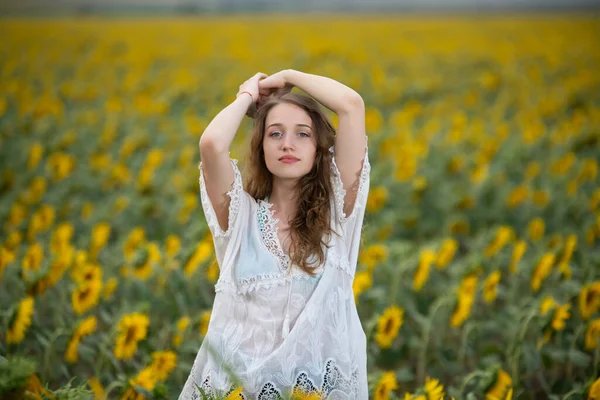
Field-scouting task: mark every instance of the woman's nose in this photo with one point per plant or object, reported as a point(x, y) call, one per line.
point(287, 142)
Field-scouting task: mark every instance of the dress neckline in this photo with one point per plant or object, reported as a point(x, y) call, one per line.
point(269, 233)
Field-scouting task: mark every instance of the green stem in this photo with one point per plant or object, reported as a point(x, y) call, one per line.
point(114, 385)
point(573, 343)
point(572, 392)
point(469, 377)
point(426, 331)
point(462, 354)
point(515, 345)
point(45, 371)
point(596, 360)
point(395, 284)
point(371, 328)
point(102, 350)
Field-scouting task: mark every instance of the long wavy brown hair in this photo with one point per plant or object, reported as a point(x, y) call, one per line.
point(310, 227)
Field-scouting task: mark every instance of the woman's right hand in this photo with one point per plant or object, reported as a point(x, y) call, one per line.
point(251, 86)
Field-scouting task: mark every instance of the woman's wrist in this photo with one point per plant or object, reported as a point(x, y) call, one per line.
point(245, 95)
point(289, 75)
point(245, 99)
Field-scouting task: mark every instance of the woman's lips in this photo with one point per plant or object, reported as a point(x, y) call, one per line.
point(288, 160)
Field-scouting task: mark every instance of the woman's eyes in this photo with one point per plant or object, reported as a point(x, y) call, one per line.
point(277, 133)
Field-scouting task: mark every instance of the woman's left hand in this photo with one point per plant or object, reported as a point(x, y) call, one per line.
point(275, 84)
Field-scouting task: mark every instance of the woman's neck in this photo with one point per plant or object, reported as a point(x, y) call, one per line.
point(283, 197)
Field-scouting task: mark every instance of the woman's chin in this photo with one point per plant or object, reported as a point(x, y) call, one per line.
point(288, 172)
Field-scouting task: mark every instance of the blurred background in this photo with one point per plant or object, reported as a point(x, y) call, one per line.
point(478, 274)
point(310, 6)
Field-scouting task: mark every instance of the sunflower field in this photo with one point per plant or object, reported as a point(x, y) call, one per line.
point(479, 270)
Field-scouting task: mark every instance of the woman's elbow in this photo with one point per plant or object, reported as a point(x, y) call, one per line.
point(208, 144)
point(353, 102)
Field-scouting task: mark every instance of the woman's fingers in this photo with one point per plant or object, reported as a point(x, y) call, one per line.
point(259, 76)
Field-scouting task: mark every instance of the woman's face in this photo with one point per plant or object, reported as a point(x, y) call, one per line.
point(289, 143)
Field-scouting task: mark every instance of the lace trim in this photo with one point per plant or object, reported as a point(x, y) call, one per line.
point(338, 187)
point(269, 281)
point(268, 234)
point(264, 281)
point(235, 195)
point(333, 381)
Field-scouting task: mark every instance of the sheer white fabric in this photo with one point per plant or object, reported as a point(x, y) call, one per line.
point(272, 325)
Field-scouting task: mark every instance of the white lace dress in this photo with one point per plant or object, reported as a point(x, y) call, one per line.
point(272, 325)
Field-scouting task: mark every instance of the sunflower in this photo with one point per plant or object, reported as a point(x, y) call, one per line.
point(86, 296)
point(120, 204)
point(85, 327)
point(504, 235)
point(502, 388)
point(236, 394)
point(145, 379)
point(16, 332)
point(466, 297)
point(386, 384)
point(517, 254)
point(36, 151)
point(32, 259)
point(100, 235)
point(6, 257)
point(149, 256)
point(110, 287)
point(203, 251)
point(60, 265)
point(172, 245)
point(132, 329)
point(183, 323)
point(97, 388)
point(422, 274)
point(61, 236)
point(88, 272)
point(561, 314)
point(434, 389)
point(373, 255)
point(594, 392)
point(377, 198)
point(517, 196)
point(204, 321)
point(388, 326)
point(163, 362)
point(34, 388)
point(536, 229)
point(446, 253)
point(136, 237)
point(569, 248)
point(547, 305)
point(589, 300)
point(592, 334)
point(362, 281)
point(542, 270)
point(490, 286)
point(72, 354)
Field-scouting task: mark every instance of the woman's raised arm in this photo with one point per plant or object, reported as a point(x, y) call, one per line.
point(214, 148)
point(350, 143)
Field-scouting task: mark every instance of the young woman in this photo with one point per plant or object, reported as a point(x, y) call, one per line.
point(284, 320)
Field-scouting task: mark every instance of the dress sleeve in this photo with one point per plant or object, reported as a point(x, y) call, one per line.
point(350, 225)
point(226, 242)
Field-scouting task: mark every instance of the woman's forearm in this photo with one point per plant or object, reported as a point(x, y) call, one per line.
point(221, 130)
point(334, 95)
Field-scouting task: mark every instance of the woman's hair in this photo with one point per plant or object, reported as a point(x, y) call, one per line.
point(312, 220)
